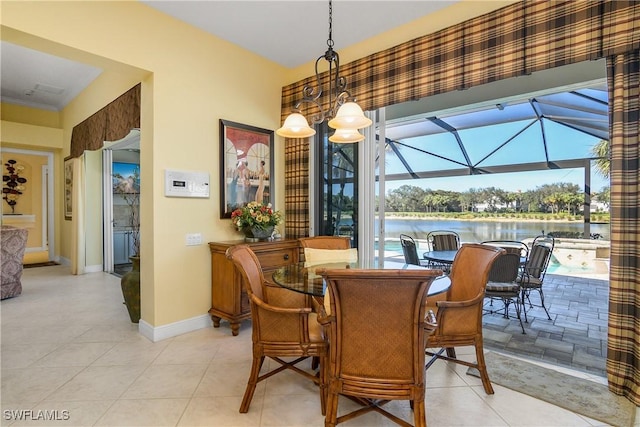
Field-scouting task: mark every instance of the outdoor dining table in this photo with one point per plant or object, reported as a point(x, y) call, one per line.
point(440, 257)
point(308, 279)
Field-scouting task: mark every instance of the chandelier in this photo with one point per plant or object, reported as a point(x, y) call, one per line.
point(344, 115)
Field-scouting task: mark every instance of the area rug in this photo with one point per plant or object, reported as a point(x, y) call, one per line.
point(578, 395)
point(41, 264)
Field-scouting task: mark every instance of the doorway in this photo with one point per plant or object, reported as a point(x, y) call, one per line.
point(121, 161)
point(33, 208)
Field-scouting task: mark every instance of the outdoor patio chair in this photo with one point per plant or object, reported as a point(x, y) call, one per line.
point(283, 327)
point(532, 276)
point(459, 317)
point(410, 250)
point(443, 240)
point(503, 286)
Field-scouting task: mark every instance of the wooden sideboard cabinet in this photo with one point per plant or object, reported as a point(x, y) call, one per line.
point(229, 299)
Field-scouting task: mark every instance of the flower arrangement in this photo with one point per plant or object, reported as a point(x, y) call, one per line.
point(255, 214)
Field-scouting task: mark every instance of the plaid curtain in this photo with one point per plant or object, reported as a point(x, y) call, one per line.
point(296, 187)
point(623, 341)
point(517, 40)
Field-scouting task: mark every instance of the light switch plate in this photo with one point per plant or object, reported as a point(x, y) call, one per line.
point(193, 239)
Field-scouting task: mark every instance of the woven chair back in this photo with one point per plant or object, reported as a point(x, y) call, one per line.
point(377, 337)
point(325, 242)
point(251, 270)
point(470, 270)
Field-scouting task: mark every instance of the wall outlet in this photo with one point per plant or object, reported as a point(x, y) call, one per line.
point(193, 239)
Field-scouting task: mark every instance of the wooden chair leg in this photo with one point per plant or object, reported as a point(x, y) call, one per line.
point(331, 417)
point(323, 383)
point(251, 384)
point(482, 368)
point(419, 413)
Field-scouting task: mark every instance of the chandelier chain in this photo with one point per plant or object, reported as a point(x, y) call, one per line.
point(330, 39)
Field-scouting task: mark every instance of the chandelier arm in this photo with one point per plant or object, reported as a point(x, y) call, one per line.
point(318, 117)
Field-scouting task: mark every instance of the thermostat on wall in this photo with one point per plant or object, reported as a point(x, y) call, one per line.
point(186, 184)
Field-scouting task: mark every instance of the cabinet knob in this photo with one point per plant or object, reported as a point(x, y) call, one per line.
point(286, 257)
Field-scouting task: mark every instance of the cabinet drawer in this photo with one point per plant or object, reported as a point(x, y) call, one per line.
point(270, 260)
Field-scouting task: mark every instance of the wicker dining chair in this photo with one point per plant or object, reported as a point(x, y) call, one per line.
point(282, 327)
point(377, 348)
point(325, 242)
point(459, 317)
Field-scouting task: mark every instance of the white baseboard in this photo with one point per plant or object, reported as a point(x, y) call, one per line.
point(159, 333)
point(93, 268)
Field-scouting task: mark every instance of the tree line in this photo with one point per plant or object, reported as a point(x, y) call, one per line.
point(552, 198)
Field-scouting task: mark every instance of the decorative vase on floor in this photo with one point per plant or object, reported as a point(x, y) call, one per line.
point(255, 234)
point(130, 284)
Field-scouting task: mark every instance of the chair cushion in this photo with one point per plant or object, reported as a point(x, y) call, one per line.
point(325, 256)
point(495, 287)
point(316, 330)
point(529, 281)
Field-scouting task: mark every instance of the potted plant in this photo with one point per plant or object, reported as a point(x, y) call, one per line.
point(256, 220)
point(129, 189)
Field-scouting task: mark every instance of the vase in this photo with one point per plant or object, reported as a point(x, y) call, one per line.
point(130, 284)
point(255, 233)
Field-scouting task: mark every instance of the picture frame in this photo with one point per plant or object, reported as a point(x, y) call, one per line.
point(246, 166)
point(68, 188)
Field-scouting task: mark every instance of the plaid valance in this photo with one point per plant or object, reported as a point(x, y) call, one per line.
point(512, 41)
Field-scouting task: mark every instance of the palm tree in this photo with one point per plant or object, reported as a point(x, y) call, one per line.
point(602, 151)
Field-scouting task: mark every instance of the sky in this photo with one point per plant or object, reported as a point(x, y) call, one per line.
point(515, 181)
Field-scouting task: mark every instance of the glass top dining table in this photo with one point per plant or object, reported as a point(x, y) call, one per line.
point(308, 280)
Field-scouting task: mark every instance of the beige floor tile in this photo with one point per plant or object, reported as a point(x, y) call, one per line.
point(74, 354)
point(227, 378)
point(98, 382)
point(26, 354)
point(460, 406)
point(31, 385)
point(195, 351)
point(221, 412)
point(140, 352)
point(292, 410)
point(166, 381)
point(144, 412)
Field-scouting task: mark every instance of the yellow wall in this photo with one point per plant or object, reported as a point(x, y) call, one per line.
point(189, 81)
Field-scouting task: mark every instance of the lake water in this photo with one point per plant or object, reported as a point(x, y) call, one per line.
point(478, 231)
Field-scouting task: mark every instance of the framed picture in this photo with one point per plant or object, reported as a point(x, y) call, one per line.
point(246, 170)
point(126, 178)
point(68, 188)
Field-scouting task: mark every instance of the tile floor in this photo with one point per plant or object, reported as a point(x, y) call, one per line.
point(68, 348)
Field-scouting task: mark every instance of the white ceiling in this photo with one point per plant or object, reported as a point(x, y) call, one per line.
point(290, 33)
